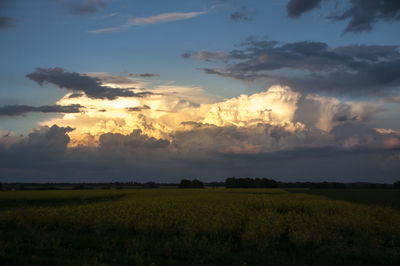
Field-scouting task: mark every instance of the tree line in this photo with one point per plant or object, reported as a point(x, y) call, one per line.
point(230, 182)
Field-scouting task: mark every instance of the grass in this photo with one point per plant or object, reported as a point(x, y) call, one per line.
point(195, 227)
point(380, 197)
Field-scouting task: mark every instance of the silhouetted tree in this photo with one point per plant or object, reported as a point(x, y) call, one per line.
point(150, 185)
point(396, 184)
point(185, 183)
point(233, 182)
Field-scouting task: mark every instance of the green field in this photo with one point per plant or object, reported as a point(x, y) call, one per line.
point(200, 227)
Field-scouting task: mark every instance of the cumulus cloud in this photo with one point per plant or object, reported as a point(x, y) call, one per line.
point(171, 109)
point(353, 69)
point(91, 86)
point(14, 110)
point(206, 151)
point(160, 18)
point(361, 13)
point(179, 132)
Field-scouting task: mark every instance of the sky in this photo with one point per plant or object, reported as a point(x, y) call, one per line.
point(118, 90)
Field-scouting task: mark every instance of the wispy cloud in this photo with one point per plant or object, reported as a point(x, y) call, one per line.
point(160, 18)
point(166, 17)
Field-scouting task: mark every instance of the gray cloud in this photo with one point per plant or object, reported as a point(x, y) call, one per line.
point(14, 110)
point(138, 108)
point(207, 152)
point(205, 55)
point(77, 82)
point(144, 75)
point(6, 22)
point(241, 14)
point(352, 69)
point(87, 7)
point(361, 13)
point(296, 8)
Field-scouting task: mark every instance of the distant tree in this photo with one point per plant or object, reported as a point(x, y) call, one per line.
point(197, 184)
point(185, 183)
point(233, 182)
point(1, 186)
point(150, 185)
point(397, 184)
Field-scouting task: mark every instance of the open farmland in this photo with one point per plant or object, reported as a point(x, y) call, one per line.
point(194, 227)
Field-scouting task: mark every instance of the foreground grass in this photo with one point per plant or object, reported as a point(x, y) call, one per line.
point(194, 227)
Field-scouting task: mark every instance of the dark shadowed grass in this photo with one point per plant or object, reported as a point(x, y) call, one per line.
point(23, 199)
point(380, 197)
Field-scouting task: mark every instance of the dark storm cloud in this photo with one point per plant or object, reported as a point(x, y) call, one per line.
point(351, 69)
point(14, 110)
point(131, 143)
point(241, 15)
point(381, 79)
point(202, 153)
point(296, 8)
point(77, 82)
point(42, 142)
point(362, 14)
point(86, 7)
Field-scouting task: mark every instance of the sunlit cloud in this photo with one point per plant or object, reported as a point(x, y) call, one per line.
point(160, 18)
point(171, 110)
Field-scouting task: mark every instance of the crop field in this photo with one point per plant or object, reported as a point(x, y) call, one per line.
point(197, 227)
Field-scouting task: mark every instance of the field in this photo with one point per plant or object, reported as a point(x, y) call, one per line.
point(200, 227)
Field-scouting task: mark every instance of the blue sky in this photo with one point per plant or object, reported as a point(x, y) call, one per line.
point(59, 33)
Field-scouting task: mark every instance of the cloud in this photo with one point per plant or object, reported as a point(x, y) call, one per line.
point(160, 18)
point(205, 55)
point(355, 70)
point(361, 13)
point(77, 82)
point(14, 110)
point(173, 109)
point(208, 152)
point(115, 81)
point(165, 17)
point(241, 14)
point(85, 7)
point(138, 108)
point(278, 133)
point(295, 8)
point(144, 75)
point(6, 22)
